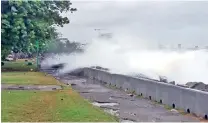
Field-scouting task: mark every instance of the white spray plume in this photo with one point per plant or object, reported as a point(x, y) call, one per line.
point(131, 55)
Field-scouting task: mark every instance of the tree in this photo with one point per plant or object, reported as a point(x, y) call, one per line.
point(24, 22)
point(63, 45)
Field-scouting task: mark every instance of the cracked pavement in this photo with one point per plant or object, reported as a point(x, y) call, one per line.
point(128, 107)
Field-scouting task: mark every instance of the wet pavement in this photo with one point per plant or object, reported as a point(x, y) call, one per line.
point(30, 87)
point(119, 103)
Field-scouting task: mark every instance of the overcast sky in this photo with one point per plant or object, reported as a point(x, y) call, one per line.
point(154, 22)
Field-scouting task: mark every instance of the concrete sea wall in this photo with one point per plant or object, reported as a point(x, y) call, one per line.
point(190, 100)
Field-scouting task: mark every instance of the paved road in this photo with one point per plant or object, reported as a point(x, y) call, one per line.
point(30, 87)
point(121, 104)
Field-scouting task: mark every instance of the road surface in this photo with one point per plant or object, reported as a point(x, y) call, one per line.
point(125, 106)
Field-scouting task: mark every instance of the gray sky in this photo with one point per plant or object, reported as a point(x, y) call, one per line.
point(154, 22)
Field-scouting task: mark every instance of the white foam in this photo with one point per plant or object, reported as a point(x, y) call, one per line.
point(132, 55)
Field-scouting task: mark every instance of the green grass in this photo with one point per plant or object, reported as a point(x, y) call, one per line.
point(10, 102)
point(34, 78)
point(52, 106)
point(112, 87)
point(46, 106)
point(19, 65)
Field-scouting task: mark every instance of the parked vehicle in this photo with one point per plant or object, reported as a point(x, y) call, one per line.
point(9, 58)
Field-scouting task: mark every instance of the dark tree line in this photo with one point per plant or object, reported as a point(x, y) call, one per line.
point(63, 45)
point(25, 22)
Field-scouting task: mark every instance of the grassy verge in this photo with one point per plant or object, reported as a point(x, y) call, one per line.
point(19, 65)
point(60, 105)
point(34, 78)
point(45, 106)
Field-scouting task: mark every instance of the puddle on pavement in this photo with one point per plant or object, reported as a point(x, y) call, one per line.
point(110, 111)
point(99, 90)
point(104, 104)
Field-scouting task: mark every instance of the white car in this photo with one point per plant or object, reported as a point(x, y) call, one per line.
point(9, 58)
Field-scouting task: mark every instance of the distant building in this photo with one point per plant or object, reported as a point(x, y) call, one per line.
point(161, 46)
point(196, 47)
point(179, 46)
point(105, 35)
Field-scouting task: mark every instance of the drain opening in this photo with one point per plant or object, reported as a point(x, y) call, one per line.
point(150, 97)
point(126, 120)
point(205, 117)
point(188, 110)
point(73, 84)
point(173, 105)
point(53, 88)
point(161, 101)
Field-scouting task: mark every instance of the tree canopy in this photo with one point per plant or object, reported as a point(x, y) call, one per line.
point(25, 22)
point(63, 45)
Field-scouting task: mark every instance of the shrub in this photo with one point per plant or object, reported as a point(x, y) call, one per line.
point(2, 63)
point(29, 63)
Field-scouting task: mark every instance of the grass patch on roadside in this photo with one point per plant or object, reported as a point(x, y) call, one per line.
point(10, 101)
point(43, 106)
point(33, 78)
point(19, 65)
point(52, 106)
